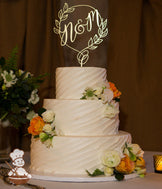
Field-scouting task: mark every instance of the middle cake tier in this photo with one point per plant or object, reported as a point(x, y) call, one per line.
point(82, 117)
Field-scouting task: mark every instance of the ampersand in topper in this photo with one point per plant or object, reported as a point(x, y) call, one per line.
point(68, 32)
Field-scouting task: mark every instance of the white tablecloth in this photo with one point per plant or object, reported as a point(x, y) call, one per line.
point(151, 181)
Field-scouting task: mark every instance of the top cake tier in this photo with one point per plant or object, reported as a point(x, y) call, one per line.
point(72, 81)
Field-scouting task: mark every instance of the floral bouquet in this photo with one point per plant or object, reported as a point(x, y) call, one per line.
point(105, 91)
point(108, 94)
point(119, 165)
point(18, 92)
point(42, 126)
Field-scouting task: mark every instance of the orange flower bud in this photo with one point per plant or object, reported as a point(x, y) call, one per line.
point(36, 126)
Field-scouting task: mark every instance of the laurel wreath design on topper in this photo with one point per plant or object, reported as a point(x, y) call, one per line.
point(79, 28)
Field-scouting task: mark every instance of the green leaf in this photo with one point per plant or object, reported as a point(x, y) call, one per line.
point(117, 99)
point(126, 145)
point(96, 172)
point(3, 116)
point(26, 87)
point(15, 108)
point(22, 102)
point(118, 176)
point(2, 61)
point(40, 111)
point(83, 97)
point(142, 175)
point(43, 137)
point(132, 156)
point(36, 136)
point(89, 93)
point(11, 62)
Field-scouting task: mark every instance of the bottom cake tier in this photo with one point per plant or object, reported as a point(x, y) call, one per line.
point(73, 155)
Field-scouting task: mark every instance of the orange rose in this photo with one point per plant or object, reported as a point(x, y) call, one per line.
point(36, 125)
point(126, 166)
point(116, 92)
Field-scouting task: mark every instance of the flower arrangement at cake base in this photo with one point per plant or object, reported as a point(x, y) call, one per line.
point(119, 165)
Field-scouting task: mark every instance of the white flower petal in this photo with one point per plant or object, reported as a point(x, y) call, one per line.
point(110, 111)
point(34, 98)
point(48, 116)
point(111, 158)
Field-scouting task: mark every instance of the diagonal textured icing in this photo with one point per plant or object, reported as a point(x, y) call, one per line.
point(82, 117)
point(73, 155)
point(83, 132)
point(72, 81)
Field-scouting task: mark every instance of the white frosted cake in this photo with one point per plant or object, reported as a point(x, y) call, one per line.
point(85, 126)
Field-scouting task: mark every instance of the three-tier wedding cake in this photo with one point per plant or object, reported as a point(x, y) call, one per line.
point(85, 128)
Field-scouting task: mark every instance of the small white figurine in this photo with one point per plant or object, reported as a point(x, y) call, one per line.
point(18, 162)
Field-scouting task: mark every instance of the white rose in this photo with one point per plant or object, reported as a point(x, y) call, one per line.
point(48, 116)
point(135, 149)
point(47, 128)
point(111, 111)
point(111, 158)
point(107, 95)
point(108, 171)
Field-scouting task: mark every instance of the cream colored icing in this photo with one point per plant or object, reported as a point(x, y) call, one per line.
point(82, 117)
point(84, 133)
point(72, 81)
point(73, 155)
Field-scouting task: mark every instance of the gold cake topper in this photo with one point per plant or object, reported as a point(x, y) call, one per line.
point(69, 31)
